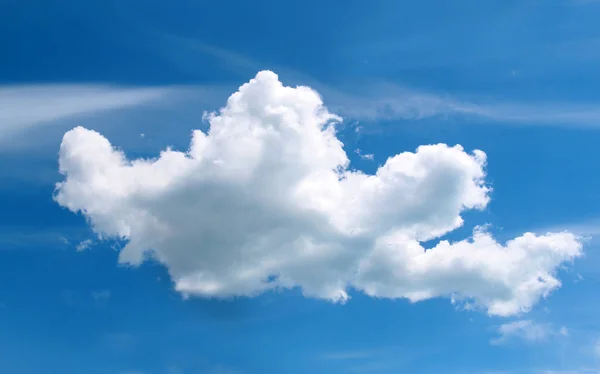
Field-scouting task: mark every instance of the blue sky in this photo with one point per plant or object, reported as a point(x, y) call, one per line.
point(516, 79)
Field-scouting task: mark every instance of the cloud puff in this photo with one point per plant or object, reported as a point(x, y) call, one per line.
point(528, 330)
point(265, 199)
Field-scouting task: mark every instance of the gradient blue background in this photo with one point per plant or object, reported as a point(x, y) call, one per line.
point(534, 66)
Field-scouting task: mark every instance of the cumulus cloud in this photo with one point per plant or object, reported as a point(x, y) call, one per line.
point(266, 199)
point(529, 331)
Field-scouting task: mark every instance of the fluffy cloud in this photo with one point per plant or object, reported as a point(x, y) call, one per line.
point(266, 199)
point(528, 330)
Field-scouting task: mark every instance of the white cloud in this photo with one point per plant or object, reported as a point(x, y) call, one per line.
point(589, 228)
point(84, 244)
point(24, 106)
point(377, 101)
point(528, 330)
point(365, 156)
point(265, 199)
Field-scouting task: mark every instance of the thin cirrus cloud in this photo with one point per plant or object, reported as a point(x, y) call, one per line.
point(34, 115)
point(391, 102)
point(528, 331)
point(377, 101)
point(589, 228)
point(268, 196)
point(25, 106)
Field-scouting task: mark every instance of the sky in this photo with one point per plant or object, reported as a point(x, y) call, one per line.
point(203, 187)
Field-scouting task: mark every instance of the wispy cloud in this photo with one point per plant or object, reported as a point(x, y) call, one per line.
point(376, 101)
point(35, 238)
point(365, 156)
point(47, 111)
point(371, 360)
point(28, 105)
point(586, 228)
point(527, 330)
point(84, 244)
point(389, 102)
point(384, 101)
point(553, 113)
